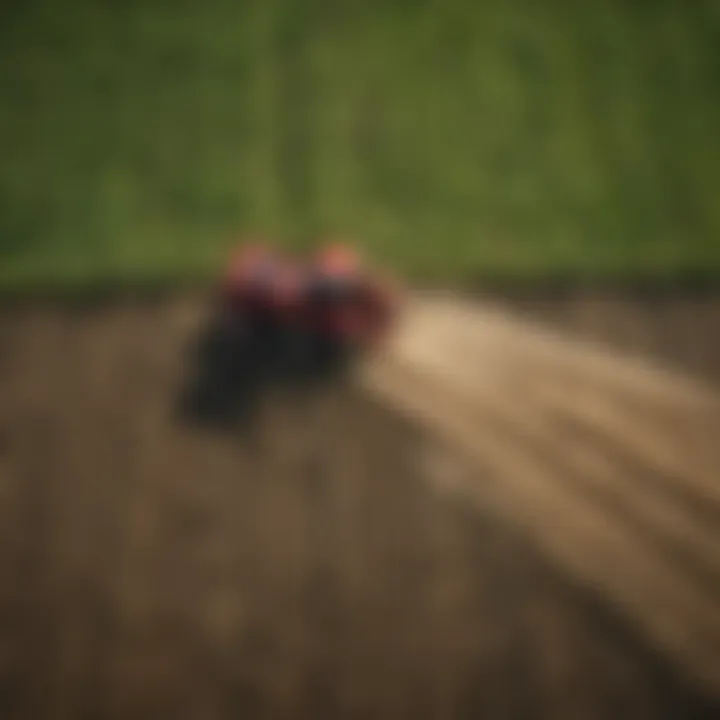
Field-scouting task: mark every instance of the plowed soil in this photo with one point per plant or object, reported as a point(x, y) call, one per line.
point(305, 568)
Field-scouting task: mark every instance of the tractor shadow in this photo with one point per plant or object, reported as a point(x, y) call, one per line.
point(233, 366)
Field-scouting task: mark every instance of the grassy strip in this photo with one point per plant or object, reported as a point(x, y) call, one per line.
point(506, 139)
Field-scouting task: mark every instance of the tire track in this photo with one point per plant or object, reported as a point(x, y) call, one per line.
point(294, 119)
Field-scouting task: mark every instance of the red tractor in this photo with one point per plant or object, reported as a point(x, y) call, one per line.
point(334, 295)
point(285, 320)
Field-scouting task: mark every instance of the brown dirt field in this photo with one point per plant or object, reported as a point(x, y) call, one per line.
point(148, 570)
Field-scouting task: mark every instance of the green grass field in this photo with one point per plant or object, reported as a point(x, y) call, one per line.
point(519, 139)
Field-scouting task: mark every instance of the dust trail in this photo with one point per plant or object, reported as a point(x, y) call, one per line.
point(615, 504)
